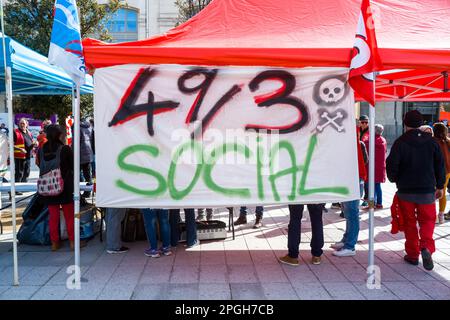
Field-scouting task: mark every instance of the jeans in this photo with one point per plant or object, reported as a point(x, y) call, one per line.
point(191, 226)
point(351, 214)
point(258, 212)
point(378, 194)
point(113, 219)
point(295, 226)
point(150, 217)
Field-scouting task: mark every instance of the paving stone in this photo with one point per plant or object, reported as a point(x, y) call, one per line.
point(39, 276)
point(213, 274)
point(311, 291)
point(238, 257)
point(214, 291)
point(406, 291)
point(354, 272)
point(126, 275)
point(48, 292)
point(343, 291)
point(150, 292)
point(328, 273)
point(279, 291)
point(117, 292)
point(300, 274)
point(434, 289)
point(182, 291)
point(268, 273)
point(247, 291)
point(212, 258)
point(153, 274)
point(88, 291)
point(185, 274)
point(383, 293)
point(242, 274)
point(19, 293)
point(7, 274)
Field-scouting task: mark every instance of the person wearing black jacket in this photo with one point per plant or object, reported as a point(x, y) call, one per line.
point(416, 165)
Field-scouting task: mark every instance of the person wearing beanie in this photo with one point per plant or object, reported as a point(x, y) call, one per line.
point(417, 166)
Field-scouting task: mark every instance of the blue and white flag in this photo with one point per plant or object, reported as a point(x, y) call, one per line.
point(66, 50)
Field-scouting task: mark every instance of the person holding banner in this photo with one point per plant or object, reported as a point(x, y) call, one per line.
point(294, 233)
point(417, 166)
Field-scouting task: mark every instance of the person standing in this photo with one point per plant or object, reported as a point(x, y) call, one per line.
point(346, 247)
point(441, 137)
point(380, 164)
point(259, 211)
point(86, 153)
point(113, 219)
point(364, 137)
point(23, 145)
point(295, 229)
point(191, 227)
point(151, 216)
point(55, 154)
point(417, 166)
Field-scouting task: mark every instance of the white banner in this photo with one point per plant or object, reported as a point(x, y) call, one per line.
point(178, 136)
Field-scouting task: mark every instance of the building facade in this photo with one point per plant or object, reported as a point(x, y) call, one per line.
point(141, 19)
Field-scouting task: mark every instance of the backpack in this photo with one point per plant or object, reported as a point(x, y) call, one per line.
point(50, 181)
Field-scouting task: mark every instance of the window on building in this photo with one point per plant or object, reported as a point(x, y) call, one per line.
point(123, 25)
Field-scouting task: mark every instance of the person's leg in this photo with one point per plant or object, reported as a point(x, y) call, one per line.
point(408, 210)
point(19, 169)
point(113, 219)
point(191, 227)
point(200, 214)
point(443, 201)
point(426, 216)
point(351, 212)
point(294, 229)
point(209, 214)
point(242, 219)
point(150, 229)
point(86, 168)
point(69, 211)
point(164, 227)
point(366, 190)
point(378, 194)
point(259, 215)
point(53, 222)
point(26, 170)
point(174, 220)
point(317, 239)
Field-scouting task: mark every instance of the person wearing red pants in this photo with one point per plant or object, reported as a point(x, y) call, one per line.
point(416, 165)
point(54, 154)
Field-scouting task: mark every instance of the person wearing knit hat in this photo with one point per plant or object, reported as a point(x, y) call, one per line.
point(417, 166)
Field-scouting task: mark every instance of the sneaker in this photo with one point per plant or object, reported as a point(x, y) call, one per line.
point(344, 253)
point(258, 223)
point(335, 205)
point(166, 251)
point(240, 220)
point(414, 262)
point(152, 253)
point(196, 244)
point(288, 260)
point(119, 250)
point(441, 219)
point(337, 246)
point(426, 259)
point(316, 260)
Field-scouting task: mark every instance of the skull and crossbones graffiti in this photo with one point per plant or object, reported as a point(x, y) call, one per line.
point(333, 119)
point(330, 91)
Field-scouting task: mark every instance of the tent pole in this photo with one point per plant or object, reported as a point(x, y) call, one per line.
point(76, 180)
point(8, 92)
point(371, 186)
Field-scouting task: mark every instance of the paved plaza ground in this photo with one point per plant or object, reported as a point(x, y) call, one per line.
point(244, 268)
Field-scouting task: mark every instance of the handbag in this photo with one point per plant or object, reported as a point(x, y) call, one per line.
point(50, 183)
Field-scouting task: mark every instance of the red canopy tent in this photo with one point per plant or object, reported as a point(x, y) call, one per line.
point(411, 34)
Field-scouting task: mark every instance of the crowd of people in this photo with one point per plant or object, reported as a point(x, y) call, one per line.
point(419, 164)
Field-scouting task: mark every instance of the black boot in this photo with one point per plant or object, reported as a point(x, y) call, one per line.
point(240, 220)
point(258, 223)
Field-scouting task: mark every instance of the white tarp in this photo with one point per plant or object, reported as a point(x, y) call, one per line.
point(178, 136)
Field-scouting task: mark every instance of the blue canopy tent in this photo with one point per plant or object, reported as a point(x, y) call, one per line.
point(33, 75)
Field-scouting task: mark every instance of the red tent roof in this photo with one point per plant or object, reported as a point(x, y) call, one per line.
point(291, 33)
